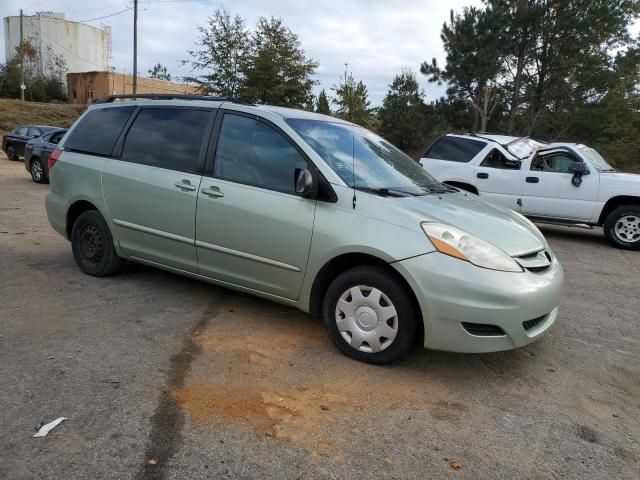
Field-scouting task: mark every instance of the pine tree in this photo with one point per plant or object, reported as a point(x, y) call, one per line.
point(322, 104)
point(352, 100)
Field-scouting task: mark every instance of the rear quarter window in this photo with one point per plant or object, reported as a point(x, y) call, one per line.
point(454, 149)
point(98, 130)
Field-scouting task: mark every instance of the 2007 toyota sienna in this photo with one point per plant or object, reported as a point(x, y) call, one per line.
point(303, 209)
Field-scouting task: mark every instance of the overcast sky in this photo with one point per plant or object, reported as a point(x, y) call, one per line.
point(377, 38)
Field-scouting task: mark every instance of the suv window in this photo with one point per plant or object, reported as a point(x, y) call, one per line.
point(22, 131)
point(558, 162)
point(496, 159)
point(98, 130)
point(454, 149)
point(252, 152)
point(56, 137)
point(169, 138)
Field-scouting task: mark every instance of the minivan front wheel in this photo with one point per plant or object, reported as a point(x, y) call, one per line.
point(92, 245)
point(369, 315)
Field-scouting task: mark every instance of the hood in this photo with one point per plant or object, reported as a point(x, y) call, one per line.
point(618, 183)
point(499, 226)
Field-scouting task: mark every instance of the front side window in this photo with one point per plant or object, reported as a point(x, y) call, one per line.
point(170, 138)
point(454, 149)
point(56, 137)
point(253, 153)
point(364, 160)
point(98, 130)
point(558, 162)
point(34, 132)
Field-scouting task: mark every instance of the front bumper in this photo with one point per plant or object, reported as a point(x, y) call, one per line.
point(451, 291)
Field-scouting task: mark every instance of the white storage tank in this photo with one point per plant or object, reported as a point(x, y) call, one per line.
point(84, 47)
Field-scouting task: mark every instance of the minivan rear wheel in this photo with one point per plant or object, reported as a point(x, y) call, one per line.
point(92, 245)
point(369, 315)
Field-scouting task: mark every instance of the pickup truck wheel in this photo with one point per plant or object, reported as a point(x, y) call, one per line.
point(622, 227)
point(11, 152)
point(92, 245)
point(369, 315)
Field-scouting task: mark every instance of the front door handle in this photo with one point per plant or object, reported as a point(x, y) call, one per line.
point(482, 175)
point(532, 180)
point(185, 185)
point(212, 192)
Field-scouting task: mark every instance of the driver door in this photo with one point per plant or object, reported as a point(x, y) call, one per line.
point(549, 191)
point(252, 229)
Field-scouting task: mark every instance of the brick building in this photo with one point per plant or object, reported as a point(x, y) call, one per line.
point(85, 87)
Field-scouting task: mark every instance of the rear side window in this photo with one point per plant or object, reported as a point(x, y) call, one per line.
point(22, 131)
point(169, 138)
point(454, 149)
point(99, 130)
point(34, 132)
point(252, 152)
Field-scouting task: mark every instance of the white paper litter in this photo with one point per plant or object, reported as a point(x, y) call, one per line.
point(49, 426)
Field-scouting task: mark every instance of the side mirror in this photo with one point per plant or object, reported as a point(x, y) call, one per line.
point(303, 182)
point(579, 168)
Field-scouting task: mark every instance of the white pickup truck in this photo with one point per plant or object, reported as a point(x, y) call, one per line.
point(564, 183)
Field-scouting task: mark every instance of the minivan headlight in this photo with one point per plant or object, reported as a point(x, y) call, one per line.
point(460, 244)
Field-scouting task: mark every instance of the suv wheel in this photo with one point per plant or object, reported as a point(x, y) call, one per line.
point(369, 315)
point(11, 152)
point(622, 227)
point(37, 171)
point(92, 245)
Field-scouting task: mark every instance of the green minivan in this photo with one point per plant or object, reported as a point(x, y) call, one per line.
point(306, 210)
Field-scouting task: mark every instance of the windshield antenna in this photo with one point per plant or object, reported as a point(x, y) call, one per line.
point(353, 163)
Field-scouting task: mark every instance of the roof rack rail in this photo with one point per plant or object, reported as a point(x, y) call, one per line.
point(171, 96)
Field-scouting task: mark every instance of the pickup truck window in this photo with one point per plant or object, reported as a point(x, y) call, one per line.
point(454, 149)
point(558, 162)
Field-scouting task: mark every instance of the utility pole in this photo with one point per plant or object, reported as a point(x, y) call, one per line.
point(135, 46)
point(21, 61)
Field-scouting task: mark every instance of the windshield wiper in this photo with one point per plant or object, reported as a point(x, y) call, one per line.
point(440, 189)
point(385, 192)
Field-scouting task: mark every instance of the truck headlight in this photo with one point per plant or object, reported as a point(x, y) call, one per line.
point(459, 244)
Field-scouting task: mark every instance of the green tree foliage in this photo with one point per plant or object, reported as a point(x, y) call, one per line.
point(277, 70)
point(404, 115)
point(221, 54)
point(42, 86)
point(322, 103)
point(352, 100)
point(474, 60)
point(159, 72)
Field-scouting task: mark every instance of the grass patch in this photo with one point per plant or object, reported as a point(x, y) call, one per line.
point(14, 113)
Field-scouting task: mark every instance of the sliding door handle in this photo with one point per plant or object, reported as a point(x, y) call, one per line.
point(185, 185)
point(212, 192)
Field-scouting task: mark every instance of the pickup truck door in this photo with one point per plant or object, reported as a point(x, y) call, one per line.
point(550, 192)
point(499, 179)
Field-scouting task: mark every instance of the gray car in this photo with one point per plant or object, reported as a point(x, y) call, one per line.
point(306, 210)
point(36, 154)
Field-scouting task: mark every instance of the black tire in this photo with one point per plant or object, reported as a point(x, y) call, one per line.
point(92, 245)
point(11, 152)
point(37, 171)
point(615, 232)
point(405, 321)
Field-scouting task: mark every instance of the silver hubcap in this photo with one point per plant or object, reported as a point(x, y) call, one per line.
point(366, 319)
point(36, 170)
point(627, 229)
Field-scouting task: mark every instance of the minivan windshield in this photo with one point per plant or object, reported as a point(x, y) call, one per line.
point(364, 160)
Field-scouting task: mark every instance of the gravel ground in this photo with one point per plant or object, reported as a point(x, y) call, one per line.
point(165, 377)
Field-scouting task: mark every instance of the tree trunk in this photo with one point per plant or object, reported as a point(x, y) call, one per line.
point(517, 81)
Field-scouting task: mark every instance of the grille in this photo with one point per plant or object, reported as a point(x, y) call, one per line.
point(529, 324)
point(483, 329)
point(535, 262)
